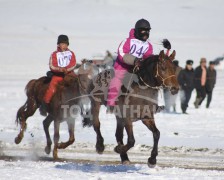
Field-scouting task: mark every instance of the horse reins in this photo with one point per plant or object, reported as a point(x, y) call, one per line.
point(163, 79)
point(157, 75)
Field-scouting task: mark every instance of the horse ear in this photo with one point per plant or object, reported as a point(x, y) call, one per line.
point(172, 56)
point(83, 61)
point(161, 55)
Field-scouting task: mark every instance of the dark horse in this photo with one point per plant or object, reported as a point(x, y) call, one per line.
point(139, 103)
point(35, 90)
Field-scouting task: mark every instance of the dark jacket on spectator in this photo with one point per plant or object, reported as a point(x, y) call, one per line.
point(211, 79)
point(186, 79)
point(197, 77)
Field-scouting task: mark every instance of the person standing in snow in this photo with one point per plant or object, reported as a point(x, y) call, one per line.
point(199, 82)
point(169, 99)
point(186, 81)
point(211, 81)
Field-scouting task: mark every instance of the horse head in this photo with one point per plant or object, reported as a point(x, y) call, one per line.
point(159, 71)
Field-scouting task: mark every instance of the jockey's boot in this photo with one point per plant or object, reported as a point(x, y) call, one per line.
point(44, 108)
point(110, 109)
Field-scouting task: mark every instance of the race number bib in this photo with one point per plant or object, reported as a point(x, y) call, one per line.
point(138, 48)
point(64, 58)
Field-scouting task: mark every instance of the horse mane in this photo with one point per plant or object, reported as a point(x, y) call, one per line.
point(147, 69)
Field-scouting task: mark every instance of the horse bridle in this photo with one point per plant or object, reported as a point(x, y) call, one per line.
point(157, 75)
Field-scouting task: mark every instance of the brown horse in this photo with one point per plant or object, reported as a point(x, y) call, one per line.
point(57, 112)
point(139, 103)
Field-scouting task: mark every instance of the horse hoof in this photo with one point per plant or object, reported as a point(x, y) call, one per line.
point(151, 162)
point(151, 165)
point(55, 156)
point(118, 149)
point(47, 150)
point(17, 140)
point(61, 146)
point(126, 162)
point(100, 149)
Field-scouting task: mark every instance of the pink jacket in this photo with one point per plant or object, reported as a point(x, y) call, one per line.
point(131, 45)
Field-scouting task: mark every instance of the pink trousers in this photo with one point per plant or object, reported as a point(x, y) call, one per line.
point(115, 86)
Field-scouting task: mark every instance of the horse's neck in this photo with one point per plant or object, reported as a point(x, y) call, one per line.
point(149, 78)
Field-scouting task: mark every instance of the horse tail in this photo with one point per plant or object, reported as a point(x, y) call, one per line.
point(19, 112)
point(30, 105)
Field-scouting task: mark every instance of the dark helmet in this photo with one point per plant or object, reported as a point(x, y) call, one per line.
point(189, 62)
point(63, 39)
point(142, 24)
point(176, 62)
point(142, 28)
point(211, 62)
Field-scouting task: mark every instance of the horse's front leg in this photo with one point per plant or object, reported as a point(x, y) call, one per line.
point(71, 127)
point(96, 125)
point(119, 137)
point(46, 124)
point(27, 110)
point(150, 124)
point(56, 138)
point(122, 149)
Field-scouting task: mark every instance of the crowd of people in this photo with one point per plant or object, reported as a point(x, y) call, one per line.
point(202, 79)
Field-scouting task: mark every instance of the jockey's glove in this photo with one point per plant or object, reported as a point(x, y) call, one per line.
point(64, 70)
point(137, 62)
point(166, 44)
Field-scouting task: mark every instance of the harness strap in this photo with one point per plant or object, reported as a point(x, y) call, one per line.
point(157, 75)
point(163, 79)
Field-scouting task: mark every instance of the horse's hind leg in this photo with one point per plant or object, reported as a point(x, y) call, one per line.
point(27, 110)
point(71, 125)
point(150, 123)
point(56, 138)
point(119, 137)
point(122, 149)
point(96, 124)
point(46, 124)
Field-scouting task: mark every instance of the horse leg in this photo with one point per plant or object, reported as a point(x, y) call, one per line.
point(122, 149)
point(56, 138)
point(119, 137)
point(27, 110)
point(150, 124)
point(71, 125)
point(46, 124)
point(96, 125)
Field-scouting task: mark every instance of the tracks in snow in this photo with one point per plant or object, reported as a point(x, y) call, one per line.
point(188, 158)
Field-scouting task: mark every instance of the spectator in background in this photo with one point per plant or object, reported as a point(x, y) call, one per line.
point(199, 82)
point(210, 82)
point(170, 100)
point(186, 81)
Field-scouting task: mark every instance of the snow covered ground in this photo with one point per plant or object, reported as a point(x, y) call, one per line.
point(191, 146)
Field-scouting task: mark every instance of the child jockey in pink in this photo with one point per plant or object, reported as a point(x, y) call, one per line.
point(130, 52)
